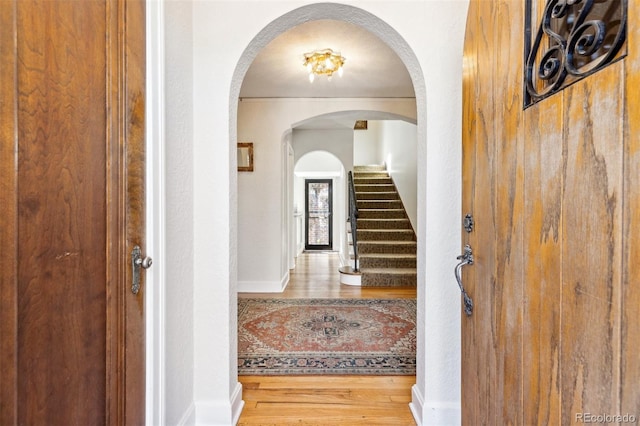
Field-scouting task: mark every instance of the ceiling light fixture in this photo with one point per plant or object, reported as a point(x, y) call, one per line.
point(323, 62)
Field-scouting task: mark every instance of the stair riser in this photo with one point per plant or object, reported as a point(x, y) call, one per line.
point(383, 224)
point(388, 262)
point(384, 280)
point(364, 248)
point(367, 204)
point(391, 235)
point(373, 181)
point(376, 196)
point(375, 188)
point(369, 167)
point(381, 214)
point(360, 175)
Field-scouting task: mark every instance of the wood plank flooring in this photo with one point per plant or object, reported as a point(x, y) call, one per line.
point(327, 400)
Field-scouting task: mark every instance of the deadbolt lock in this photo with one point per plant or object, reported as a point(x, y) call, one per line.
point(468, 222)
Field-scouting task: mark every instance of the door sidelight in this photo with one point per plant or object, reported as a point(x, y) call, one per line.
point(466, 258)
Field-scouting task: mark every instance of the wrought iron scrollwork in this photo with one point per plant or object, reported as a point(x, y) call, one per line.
point(575, 39)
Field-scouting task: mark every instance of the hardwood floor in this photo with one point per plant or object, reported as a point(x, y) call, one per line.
point(327, 400)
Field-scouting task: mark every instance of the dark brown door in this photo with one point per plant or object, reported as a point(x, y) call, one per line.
point(319, 214)
point(555, 195)
point(71, 198)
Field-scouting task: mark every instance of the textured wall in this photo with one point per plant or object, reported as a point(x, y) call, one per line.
point(179, 279)
point(427, 35)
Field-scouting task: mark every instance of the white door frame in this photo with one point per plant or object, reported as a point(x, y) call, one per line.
point(155, 219)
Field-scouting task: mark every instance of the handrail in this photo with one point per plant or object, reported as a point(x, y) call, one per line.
point(353, 219)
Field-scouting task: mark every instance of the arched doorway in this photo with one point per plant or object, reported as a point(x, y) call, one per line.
point(323, 170)
point(399, 45)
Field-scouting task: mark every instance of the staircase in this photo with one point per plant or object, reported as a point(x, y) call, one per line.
point(386, 240)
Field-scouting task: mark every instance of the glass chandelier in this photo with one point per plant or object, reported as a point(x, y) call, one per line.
point(323, 62)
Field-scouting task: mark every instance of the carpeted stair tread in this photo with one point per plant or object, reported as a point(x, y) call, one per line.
point(386, 234)
point(375, 180)
point(384, 223)
point(371, 174)
point(379, 204)
point(381, 213)
point(389, 255)
point(377, 196)
point(387, 260)
point(386, 240)
point(388, 277)
point(374, 167)
point(374, 187)
point(365, 247)
point(390, 271)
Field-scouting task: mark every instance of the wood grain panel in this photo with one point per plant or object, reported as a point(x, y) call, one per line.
point(509, 207)
point(543, 261)
point(470, 377)
point(630, 331)
point(125, 32)
point(555, 195)
point(592, 241)
point(134, 95)
point(71, 166)
point(483, 356)
point(8, 217)
point(544, 167)
point(61, 163)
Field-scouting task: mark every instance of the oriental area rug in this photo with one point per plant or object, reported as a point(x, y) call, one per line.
point(326, 336)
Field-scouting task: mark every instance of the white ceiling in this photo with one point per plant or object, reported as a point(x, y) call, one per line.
point(371, 69)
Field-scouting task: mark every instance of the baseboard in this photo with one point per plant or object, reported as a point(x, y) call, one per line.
point(264, 286)
point(189, 416)
point(237, 404)
point(220, 412)
point(416, 405)
point(433, 412)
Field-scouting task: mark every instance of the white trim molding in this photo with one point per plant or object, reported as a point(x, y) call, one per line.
point(264, 286)
point(220, 412)
point(155, 214)
point(416, 405)
point(434, 412)
point(189, 416)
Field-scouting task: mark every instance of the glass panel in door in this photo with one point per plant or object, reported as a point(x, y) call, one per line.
point(318, 195)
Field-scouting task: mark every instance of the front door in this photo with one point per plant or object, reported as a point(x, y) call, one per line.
point(554, 192)
point(72, 102)
point(318, 214)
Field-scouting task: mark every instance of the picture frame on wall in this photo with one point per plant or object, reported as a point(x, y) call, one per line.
point(360, 125)
point(245, 156)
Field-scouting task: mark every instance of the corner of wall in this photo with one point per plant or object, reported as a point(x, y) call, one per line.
point(189, 416)
point(416, 405)
point(220, 412)
point(264, 286)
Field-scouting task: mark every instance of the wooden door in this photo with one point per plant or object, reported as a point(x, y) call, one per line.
point(555, 195)
point(72, 208)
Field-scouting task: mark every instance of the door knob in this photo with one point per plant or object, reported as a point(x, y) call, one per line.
point(466, 258)
point(137, 262)
point(145, 263)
